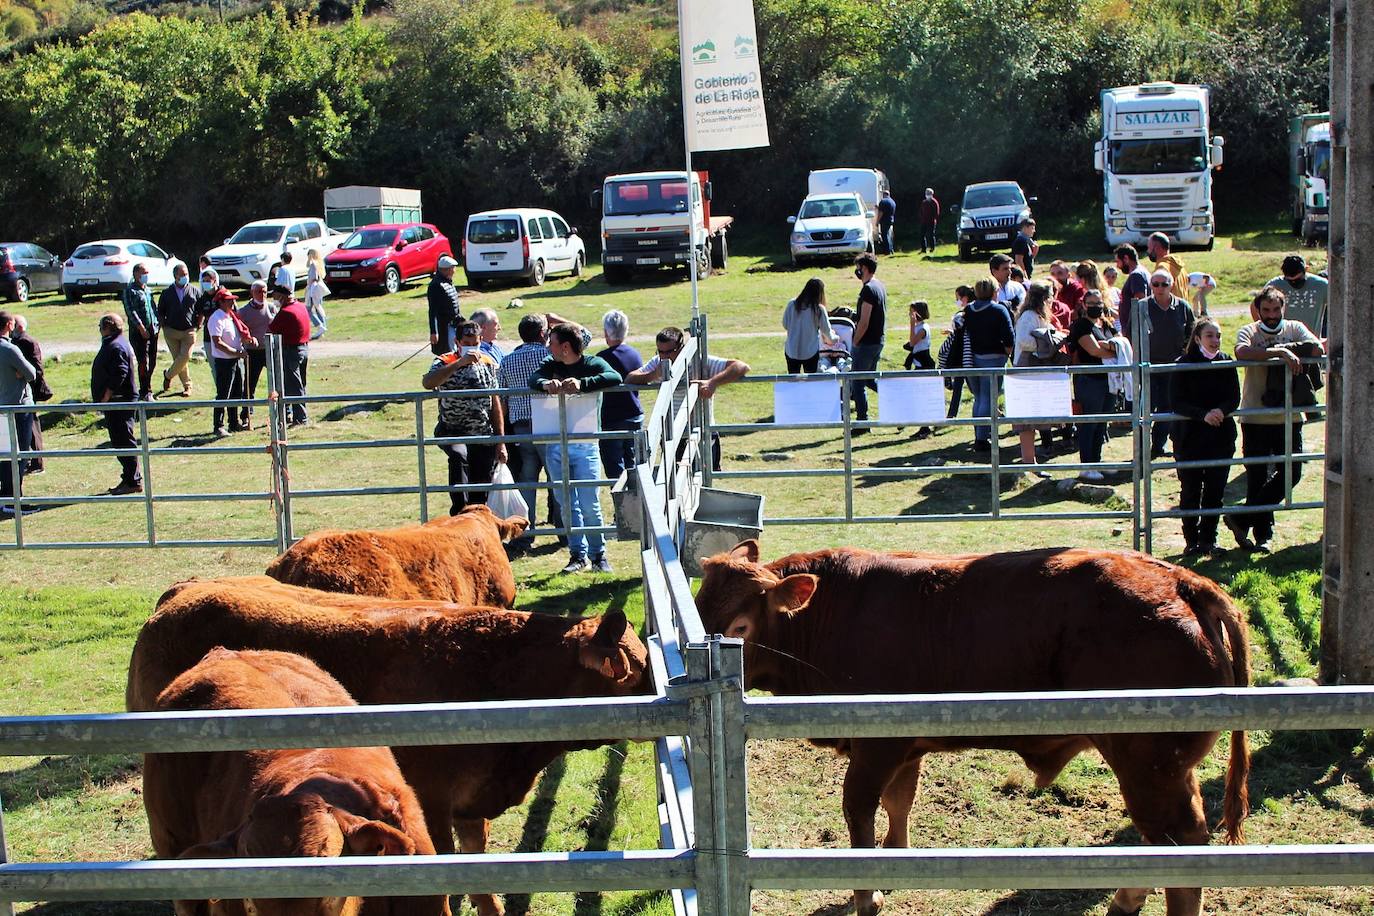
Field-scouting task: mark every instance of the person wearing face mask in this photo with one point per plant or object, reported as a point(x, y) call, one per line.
point(17, 375)
point(141, 313)
point(205, 306)
point(1090, 342)
point(1273, 336)
point(1305, 294)
point(257, 315)
point(228, 338)
point(868, 333)
point(1207, 397)
point(177, 313)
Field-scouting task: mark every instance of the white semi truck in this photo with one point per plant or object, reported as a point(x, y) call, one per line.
point(1156, 156)
point(1309, 169)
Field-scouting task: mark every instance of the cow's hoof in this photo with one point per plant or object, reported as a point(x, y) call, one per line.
point(1115, 910)
point(867, 903)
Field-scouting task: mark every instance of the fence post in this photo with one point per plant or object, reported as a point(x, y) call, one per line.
point(420, 460)
point(145, 458)
point(565, 510)
point(6, 906)
point(277, 415)
point(716, 713)
point(1287, 438)
point(1142, 427)
point(994, 381)
point(846, 416)
point(16, 482)
point(703, 407)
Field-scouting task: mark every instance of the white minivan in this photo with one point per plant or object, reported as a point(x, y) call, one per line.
point(523, 243)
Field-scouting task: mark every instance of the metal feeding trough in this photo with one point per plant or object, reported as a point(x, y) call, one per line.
point(629, 510)
point(721, 519)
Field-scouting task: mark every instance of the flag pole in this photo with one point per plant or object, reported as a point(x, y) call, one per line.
point(683, 60)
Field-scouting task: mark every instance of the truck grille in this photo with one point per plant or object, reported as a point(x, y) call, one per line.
point(994, 222)
point(639, 241)
point(226, 261)
point(829, 235)
point(1158, 200)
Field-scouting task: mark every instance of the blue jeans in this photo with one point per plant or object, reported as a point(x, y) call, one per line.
point(619, 454)
point(864, 358)
point(1090, 391)
point(584, 463)
point(985, 388)
point(1161, 401)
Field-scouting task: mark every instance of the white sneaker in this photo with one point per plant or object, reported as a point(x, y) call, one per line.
point(1091, 476)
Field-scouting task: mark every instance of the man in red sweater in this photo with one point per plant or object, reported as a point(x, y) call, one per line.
point(928, 214)
point(293, 324)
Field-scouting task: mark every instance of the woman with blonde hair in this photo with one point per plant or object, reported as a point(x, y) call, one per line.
point(1034, 314)
point(315, 291)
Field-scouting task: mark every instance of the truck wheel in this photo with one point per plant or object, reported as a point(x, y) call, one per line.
point(965, 252)
point(615, 276)
point(578, 265)
point(720, 252)
point(391, 280)
point(1211, 242)
point(536, 277)
point(73, 294)
point(703, 257)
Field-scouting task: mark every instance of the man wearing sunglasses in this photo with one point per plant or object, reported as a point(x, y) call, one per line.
point(1168, 328)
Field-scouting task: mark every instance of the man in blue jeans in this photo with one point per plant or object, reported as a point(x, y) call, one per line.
point(567, 371)
point(868, 333)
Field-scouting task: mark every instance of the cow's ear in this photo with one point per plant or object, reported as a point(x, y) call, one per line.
point(611, 629)
point(792, 594)
point(226, 847)
point(363, 837)
point(746, 550)
point(512, 527)
point(609, 662)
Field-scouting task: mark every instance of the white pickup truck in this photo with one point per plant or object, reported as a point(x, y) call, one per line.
point(255, 250)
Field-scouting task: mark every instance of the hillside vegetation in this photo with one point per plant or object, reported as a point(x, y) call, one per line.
point(181, 127)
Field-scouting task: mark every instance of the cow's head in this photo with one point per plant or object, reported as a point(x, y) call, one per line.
point(743, 599)
point(507, 528)
point(300, 824)
point(612, 657)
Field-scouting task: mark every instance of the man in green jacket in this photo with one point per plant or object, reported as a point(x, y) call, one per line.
point(140, 309)
point(568, 371)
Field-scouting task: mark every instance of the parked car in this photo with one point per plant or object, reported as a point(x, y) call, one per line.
point(521, 243)
point(828, 225)
point(255, 250)
point(990, 216)
point(32, 269)
point(385, 255)
point(107, 266)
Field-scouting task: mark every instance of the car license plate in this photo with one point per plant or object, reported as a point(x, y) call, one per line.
point(340, 273)
point(829, 249)
point(648, 261)
point(88, 281)
point(994, 236)
point(493, 255)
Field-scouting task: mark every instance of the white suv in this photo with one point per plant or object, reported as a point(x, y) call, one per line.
point(252, 252)
point(828, 225)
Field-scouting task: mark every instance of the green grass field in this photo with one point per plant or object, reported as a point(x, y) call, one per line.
point(67, 620)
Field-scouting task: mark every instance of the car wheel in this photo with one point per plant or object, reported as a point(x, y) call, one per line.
point(72, 293)
point(720, 252)
point(965, 253)
point(578, 265)
point(537, 274)
point(615, 276)
point(392, 279)
point(1211, 242)
point(21, 290)
point(796, 260)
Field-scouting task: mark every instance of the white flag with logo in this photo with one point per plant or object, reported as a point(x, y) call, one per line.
point(722, 91)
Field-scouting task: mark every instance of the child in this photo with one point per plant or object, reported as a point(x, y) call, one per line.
point(954, 352)
point(918, 345)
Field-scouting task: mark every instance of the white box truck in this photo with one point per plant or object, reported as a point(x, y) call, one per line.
point(869, 184)
point(1156, 156)
point(1309, 170)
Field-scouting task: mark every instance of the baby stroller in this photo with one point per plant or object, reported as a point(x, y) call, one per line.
point(836, 358)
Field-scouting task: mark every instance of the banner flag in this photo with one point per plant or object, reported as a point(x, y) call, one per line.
point(722, 91)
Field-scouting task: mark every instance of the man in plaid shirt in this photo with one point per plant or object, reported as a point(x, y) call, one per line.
point(526, 459)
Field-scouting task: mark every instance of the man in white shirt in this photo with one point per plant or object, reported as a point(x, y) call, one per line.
point(669, 343)
point(1009, 292)
point(286, 274)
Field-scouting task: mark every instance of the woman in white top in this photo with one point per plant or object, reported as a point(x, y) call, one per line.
point(229, 338)
point(1033, 314)
point(315, 291)
point(807, 324)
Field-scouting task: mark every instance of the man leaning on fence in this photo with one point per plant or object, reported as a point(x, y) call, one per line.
point(526, 458)
point(16, 374)
point(569, 371)
point(1274, 336)
point(114, 380)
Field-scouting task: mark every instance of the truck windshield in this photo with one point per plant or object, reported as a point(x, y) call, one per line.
point(1159, 156)
point(493, 231)
point(659, 195)
point(1319, 160)
point(257, 235)
point(819, 209)
point(978, 198)
point(368, 238)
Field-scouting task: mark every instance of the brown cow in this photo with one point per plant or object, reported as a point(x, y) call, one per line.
point(425, 653)
point(274, 803)
point(457, 558)
point(850, 621)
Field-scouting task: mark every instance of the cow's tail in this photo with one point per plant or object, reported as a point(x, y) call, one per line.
point(1237, 802)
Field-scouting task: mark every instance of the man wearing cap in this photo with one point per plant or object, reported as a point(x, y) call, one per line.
point(257, 314)
point(114, 380)
point(229, 339)
point(141, 312)
point(1305, 295)
point(292, 322)
point(444, 314)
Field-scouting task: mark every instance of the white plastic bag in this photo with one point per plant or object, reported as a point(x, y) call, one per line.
point(506, 503)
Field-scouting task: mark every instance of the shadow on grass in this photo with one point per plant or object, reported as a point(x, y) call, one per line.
point(54, 777)
point(344, 411)
point(579, 601)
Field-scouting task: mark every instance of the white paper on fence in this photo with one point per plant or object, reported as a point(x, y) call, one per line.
point(911, 400)
point(1039, 395)
point(4, 437)
point(584, 414)
point(721, 83)
point(806, 402)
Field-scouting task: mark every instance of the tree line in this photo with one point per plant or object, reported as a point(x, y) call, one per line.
point(180, 129)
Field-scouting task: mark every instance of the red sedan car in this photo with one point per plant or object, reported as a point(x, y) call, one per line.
point(384, 256)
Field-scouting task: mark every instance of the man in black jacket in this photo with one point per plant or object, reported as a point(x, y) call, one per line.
point(444, 314)
point(1168, 328)
point(180, 319)
point(112, 381)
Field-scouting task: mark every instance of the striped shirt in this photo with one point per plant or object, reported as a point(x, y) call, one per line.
point(515, 372)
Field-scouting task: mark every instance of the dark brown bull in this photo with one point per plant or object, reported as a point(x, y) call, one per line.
point(850, 621)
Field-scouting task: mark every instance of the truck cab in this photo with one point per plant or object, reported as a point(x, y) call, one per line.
point(659, 219)
point(1309, 157)
point(1156, 156)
